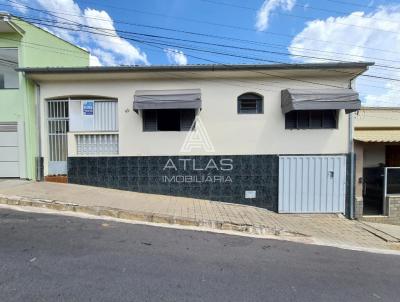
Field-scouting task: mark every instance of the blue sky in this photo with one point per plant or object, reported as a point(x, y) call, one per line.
point(148, 32)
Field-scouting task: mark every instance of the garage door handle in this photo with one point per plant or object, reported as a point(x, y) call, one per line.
point(331, 173)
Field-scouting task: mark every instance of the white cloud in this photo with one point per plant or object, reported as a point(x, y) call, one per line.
point(358, 37)
point(107, 58)
point(176, 56)
point(62, 11)
point(123, 51)
point(94, 61)
point(104, 43)
point(263, 14)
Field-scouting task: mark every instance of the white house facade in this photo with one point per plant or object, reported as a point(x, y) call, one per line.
point(274, 136)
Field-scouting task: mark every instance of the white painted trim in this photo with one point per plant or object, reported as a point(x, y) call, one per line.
point(22, 149)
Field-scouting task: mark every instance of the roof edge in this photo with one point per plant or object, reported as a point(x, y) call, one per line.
point(6, 17)
point(376, 128)
point(206, 67)
point(381, 108)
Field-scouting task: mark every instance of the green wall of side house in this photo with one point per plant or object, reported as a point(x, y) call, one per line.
point(36, 48)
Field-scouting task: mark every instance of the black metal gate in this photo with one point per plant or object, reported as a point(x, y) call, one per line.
point(373, 190)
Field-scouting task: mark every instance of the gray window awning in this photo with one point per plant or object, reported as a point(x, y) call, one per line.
point(319, 99)
point(167, 99)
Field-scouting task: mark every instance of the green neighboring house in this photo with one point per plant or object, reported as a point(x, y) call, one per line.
point(25, 45)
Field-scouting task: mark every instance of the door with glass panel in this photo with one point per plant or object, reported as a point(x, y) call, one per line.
point(58, 127)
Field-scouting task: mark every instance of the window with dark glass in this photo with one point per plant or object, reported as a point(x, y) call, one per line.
point(250, 103)
point(311, 119)
point(8, 64)
point(168, 119)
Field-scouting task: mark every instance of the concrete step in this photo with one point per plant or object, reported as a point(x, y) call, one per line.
point(381, 219)
point(379, 233)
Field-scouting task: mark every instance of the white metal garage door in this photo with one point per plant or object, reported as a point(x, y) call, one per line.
point(9, 150)
point(312, 184)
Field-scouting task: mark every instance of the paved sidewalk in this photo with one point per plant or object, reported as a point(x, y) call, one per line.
point(321, 229)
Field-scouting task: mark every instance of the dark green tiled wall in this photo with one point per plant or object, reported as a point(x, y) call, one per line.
point(145, 174)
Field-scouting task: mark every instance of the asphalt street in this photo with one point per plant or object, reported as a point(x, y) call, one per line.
point(58, 258)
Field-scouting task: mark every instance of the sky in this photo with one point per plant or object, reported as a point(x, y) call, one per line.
point(181, 32)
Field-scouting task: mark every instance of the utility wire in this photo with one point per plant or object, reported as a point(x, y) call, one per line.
point(215, 62)
point(253, 83)
point(236, 39)
point(196, 21)
point(219, 63)
point(230, 38)
point(203, 50)
point(240, 81)
point(8, 61)
point(46, 47)
point(219, 45)
point(343, 12)
point(306, 7)
point(293, 79)
point(378, 77)
point(259, 43)
point(175, 45)
point(353, 4)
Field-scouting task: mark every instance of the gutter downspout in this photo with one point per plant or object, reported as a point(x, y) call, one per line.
point(351, 152)
point(39, 159)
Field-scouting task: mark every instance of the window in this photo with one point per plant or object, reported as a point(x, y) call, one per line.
point(168, 119)
point(250, 103)
point(311, 119)
point(8, 63)
point(97, 144)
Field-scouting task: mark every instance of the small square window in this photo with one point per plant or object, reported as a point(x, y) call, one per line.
point(316, 119)
point(168, 119)
point(8, 63)
point(303, 119)
point(329, 119)
point(291, 120)
point(250, 103)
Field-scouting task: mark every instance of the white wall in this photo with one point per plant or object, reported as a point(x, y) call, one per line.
point(229, 132)
point(384, 117)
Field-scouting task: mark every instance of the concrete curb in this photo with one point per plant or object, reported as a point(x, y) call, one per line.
point(144, 216)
